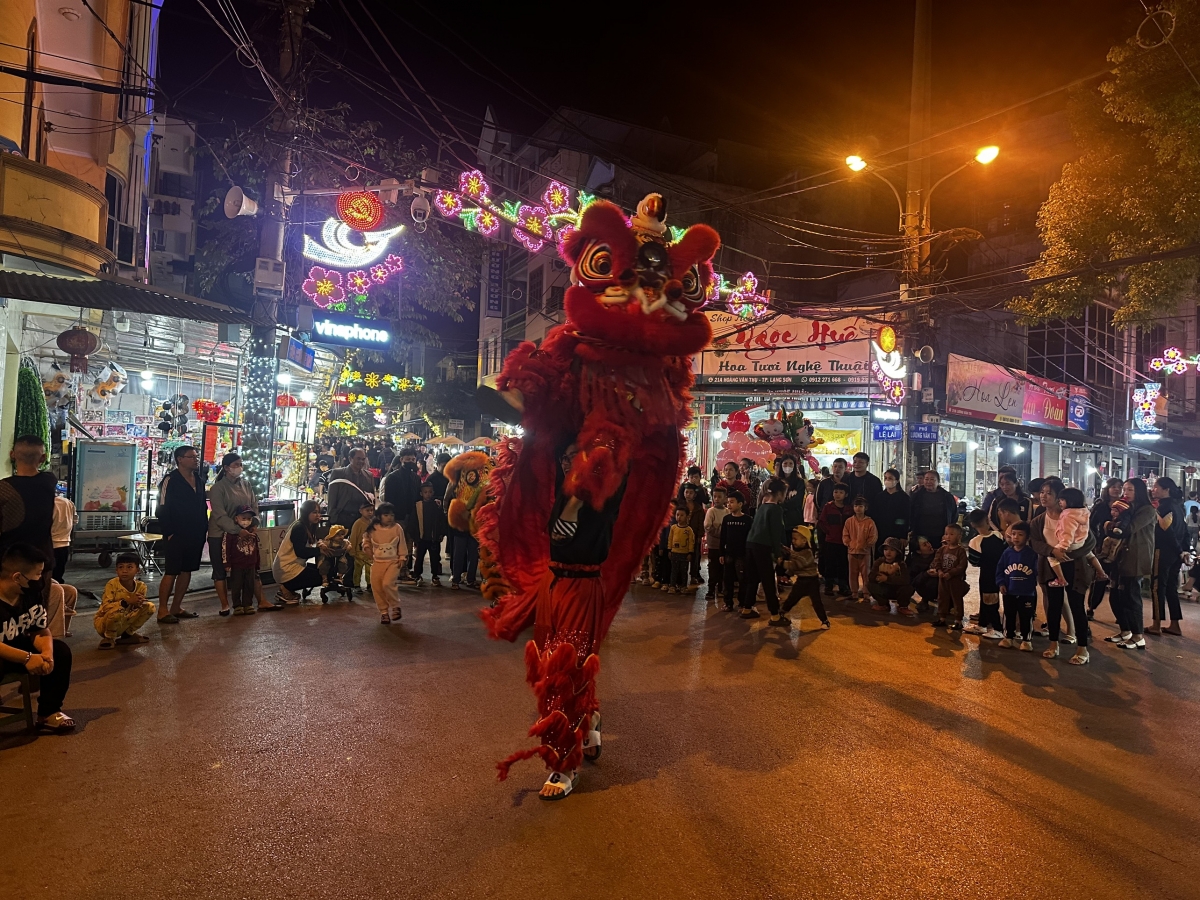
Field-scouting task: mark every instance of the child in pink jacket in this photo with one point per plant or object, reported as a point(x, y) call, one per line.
point(859, 534)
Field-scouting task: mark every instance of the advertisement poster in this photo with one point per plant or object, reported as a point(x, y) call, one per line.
point(981, 390)
point(1079, 409)
point(785, 351)
point(1045, 403)
point(843, 442)
point(106, 474)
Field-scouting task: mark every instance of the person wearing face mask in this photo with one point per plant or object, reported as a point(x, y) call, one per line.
point(402, 489)
point(793, 502)
point(890, 510)
point(229, 493)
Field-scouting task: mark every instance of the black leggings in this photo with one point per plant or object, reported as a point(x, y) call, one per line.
point(760, 569)
point(1127, 604)
point(53, 686)
point(733, 572)
point(1054, 610)
point(1019, 608)
point(309, 578)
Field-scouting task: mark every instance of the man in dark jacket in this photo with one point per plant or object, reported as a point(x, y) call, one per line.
point(183, 522)
point(402, 489)
point(863, 483)
point(27, 503)
point(931, 510)
point(348, 488)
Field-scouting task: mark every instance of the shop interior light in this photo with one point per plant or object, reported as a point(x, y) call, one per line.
point(1091, 470)
point(1018, 450)
point(307, 396)
point(284, 378)
point(147, 374)
point(147, 384)
point(973, 445)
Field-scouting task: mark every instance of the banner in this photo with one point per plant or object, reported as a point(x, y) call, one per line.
point(1045, 403)
point(843, 442)
point(785, 351)
point(1079, 409)
point(981, 390)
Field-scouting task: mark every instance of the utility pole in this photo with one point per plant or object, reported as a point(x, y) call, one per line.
point(917, 455)
point(258, 432)
point(918, 150)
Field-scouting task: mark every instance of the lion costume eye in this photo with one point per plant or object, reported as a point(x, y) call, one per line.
point(596, 264)
point(693, 289)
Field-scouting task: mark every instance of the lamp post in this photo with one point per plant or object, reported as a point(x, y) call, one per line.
point(915, 228)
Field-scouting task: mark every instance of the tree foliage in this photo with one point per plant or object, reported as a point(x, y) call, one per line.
point(331, 150)
point(1135, 188)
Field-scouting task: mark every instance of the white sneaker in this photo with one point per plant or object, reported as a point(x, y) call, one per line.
point(974, 629)
point(994, 635)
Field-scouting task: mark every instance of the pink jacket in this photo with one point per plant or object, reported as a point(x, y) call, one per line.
point(859, 535)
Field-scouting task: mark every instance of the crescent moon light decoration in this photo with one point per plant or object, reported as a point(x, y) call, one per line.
point(340, 252)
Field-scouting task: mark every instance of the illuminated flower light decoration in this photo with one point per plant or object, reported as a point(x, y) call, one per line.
point(1173, 362)
point(745, 301)
point(475, 186)
point(448, 203)
point(324, 287)
point(487, 222)
point(358, 281)
point(394, 263)
point(533, 227)
point(557, 198)
point(379, 273)
point(1145, 399)
point(888, 365)
point(361, 210)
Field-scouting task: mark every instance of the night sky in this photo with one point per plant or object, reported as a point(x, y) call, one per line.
point(804, 79)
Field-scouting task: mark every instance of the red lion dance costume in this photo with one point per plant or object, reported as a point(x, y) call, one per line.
point(602, 403)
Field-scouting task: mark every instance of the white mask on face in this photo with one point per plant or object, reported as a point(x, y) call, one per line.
point(234, 472)
point(787, 470)
point(889, 482)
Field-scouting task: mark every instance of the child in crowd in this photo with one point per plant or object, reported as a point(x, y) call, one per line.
point(734, 529)
point(680, 544)
point(920, 565)
point(64, 522)
point(333, 559)
point(362, 561)
point(712, 536)
point(124, 607)
point(239, 554)
point(661, 554)
point(802, 566)
point(950, 568)
point(859, 534)
point(384, 543)
point(834, 560)
point(1070, 533)
point(696, 513)
point(1016, 578)
point(889, 581)
point(427, 526)
point(1116, 530)
point(984, 551)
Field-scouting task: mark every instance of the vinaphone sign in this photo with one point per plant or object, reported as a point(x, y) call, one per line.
point(330, 328)
point(785, 351)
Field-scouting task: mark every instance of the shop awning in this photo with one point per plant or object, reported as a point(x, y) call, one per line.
point(109, 292)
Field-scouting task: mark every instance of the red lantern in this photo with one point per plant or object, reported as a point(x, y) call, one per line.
point(361, 210)
point(79, 344)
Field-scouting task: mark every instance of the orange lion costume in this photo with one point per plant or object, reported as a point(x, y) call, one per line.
point(602, 404)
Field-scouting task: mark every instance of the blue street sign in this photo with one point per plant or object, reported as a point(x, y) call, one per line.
point(923, 432)
point(887, 431)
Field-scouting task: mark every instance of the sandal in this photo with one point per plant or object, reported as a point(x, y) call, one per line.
point(186, 614)
point(1052, 653)
point(384, 620)
point(1080, 659)
point(107, 643)
point(268, 607)
point(59, 723)
point(564, 781)
point(225, 612)
point(133, 639)
point(168, 619)
point(592, 742)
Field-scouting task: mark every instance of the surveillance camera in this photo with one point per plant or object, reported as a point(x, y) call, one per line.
point(420, 210)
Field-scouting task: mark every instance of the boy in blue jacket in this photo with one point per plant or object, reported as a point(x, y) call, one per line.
point(1016, 577)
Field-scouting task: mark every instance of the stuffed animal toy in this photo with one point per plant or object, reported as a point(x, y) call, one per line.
point(602, 401)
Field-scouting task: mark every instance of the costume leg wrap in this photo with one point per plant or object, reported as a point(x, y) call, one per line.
point(566, 696)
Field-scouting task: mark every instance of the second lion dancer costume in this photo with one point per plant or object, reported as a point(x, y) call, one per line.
point(580, 498)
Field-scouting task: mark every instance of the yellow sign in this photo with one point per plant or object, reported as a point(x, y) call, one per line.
point(843, 442)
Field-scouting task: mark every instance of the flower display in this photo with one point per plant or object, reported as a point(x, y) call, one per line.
point(394, 263)
point(557, 198)
point(358, 281)
point(533, 227)
point(324, 287)
point(474, 185)
point(379, 273)
point(487, 222)
point(448, 203)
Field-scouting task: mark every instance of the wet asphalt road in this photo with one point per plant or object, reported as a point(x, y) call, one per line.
point(314, 753)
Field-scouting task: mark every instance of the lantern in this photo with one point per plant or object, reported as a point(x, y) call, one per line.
point(79, 344)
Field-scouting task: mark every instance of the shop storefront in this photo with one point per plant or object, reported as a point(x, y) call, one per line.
point(998, 416)
point(790, 365)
